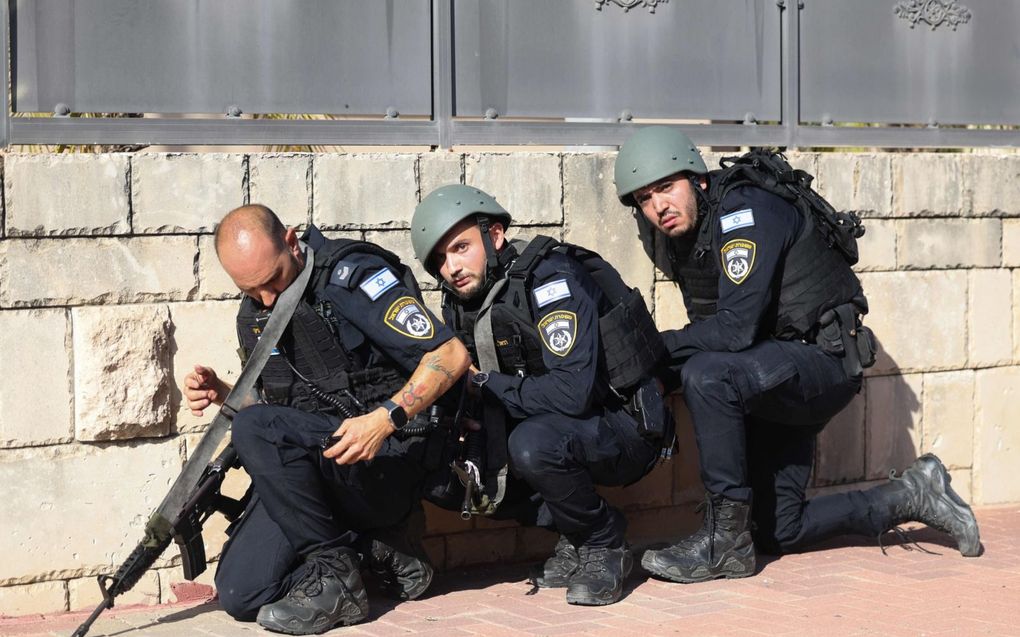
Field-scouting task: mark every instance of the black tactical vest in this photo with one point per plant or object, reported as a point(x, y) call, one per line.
point(311, 368)
point(816, 278)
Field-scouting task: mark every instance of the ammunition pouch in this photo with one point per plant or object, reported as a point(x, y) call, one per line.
point(631, 342)
point(841, 333)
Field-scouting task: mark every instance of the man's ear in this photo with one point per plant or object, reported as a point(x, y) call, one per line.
point(497, 236)
point(293, 245)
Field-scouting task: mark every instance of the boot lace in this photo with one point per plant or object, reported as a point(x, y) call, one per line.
point(319, 567)
point(906, 541)
point(593, 559)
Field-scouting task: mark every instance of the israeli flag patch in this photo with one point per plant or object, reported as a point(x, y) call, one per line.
point(375, 285)
point(552, 291)
point(738, 219)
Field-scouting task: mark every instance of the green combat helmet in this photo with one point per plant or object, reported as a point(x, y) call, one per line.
point(649, 155)
point(444, 208)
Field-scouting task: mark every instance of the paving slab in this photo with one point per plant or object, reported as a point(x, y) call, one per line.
point(844, 587)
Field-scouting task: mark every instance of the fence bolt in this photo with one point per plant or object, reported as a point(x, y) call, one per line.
point(626, 115)
point(233, 110)
point(491, 113)
point(61, 110)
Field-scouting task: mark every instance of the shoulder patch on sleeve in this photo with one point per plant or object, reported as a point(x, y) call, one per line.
point(558, 330)
point(738, 259)
point(377, 284)
point(406, 316)
point(344, 274)
point(552, 291)
point(739, 219)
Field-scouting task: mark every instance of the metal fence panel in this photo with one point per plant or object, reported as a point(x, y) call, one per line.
point(910, 61)
point(570, 58)
point(205, 56)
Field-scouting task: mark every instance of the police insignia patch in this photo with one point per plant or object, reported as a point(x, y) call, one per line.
point(738, 259)
point(407, 317)
point(558, 330)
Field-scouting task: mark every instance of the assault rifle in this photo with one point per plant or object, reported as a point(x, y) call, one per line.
point(185, 530)
point(196, 492)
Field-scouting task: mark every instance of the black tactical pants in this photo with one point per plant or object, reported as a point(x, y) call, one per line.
point(564, 458)
point(304, 502)
point(755, 416)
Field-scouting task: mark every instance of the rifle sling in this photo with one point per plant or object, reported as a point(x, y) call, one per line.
point(237, 399)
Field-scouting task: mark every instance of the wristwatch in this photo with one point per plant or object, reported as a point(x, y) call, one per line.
point(478, 380)
point(397, 414)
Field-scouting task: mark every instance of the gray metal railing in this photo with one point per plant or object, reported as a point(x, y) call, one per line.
point(816, 73)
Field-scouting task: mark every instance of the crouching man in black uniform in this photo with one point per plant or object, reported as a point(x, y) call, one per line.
point(543, 364)
point(360, 342)
point(771, 354)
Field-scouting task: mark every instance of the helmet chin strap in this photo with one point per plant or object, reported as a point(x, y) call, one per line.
point(491, 258)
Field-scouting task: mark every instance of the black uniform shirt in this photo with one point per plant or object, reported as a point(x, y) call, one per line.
point(752, 233)
point(564, 309)
point(367, 293)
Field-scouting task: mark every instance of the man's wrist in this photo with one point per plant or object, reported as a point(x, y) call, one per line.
point(396, 413)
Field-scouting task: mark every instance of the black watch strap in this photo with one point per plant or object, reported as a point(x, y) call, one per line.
point(397, 414)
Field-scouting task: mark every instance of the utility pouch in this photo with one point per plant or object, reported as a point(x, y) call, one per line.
point(866, 346)
point(650, 411)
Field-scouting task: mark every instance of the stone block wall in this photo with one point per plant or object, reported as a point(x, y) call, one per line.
point(110, 291)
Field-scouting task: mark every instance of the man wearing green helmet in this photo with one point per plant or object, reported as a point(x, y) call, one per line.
point(567, 431)
point(764, 364)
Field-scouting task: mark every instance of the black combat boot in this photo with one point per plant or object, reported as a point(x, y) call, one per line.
point(555, 572)
point(599, 577)
point(397, 559)
point(329, 594)
point(722, 547)
point(922, 493)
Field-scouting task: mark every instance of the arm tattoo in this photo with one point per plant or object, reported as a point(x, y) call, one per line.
point(412, 394)
point(435, 364)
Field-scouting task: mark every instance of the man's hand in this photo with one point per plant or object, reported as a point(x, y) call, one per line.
point(361, 437)
point(202, 387)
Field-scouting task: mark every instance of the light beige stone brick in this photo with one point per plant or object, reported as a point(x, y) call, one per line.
point(994, 181)
point(841, 445)
point(84, 593)
point(670, 313)
point(996, 436)
point(81, 509)
point(66, 194)
point(364, 191)
point(962, 482)
point(949, 243)
point(28, 599)
point(399, 243)
point(203, 334)
point(213, 280)
point(284, 183)
point(927, 183)
point(878, 246)
point(859, 182)
point(35, 365)
point(910, 334)
point(121, 371)
point(666, 524)
point(439, 168)
point(1011, 243)
point(989, 318)
point(948, 417)
point(528, 185)
point(1016, 315)
point(443, 522)
point(74, 271)
point(894, 423)
point(185, 192)
point(596, 220)
point(534, 544)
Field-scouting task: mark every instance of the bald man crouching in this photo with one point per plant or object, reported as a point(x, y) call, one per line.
point(361, 341)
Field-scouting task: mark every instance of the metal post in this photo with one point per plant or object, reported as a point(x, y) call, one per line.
point(442, 70)
point(791, 70)
point(5, 59)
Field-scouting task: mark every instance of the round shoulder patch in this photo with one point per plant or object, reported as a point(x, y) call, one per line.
point(406, 316)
